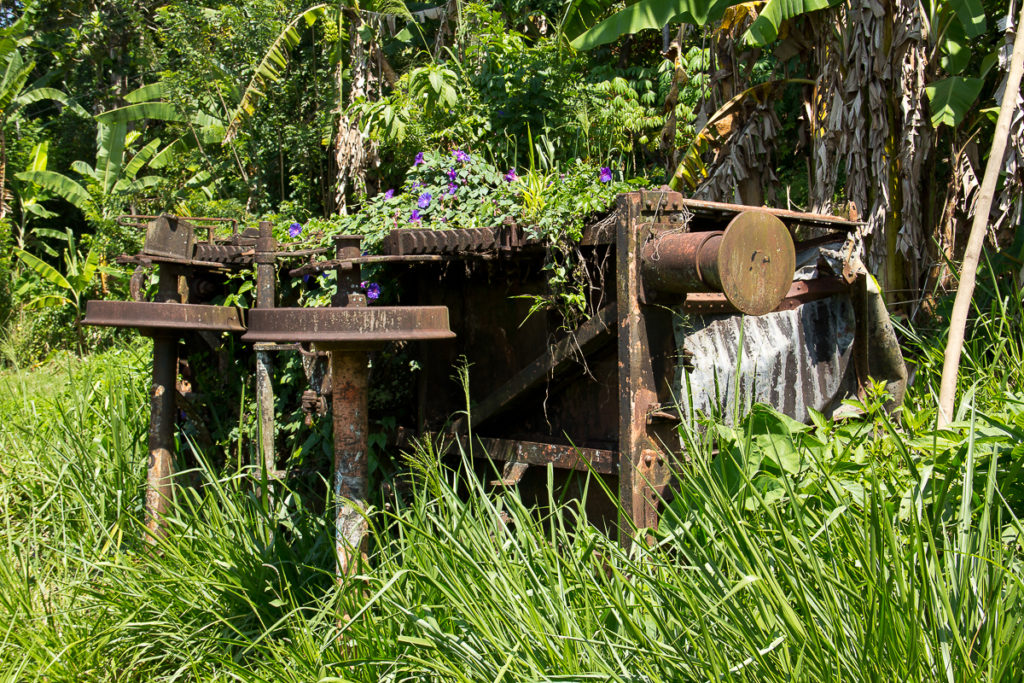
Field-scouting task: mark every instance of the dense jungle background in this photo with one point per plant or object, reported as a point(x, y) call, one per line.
point(881, 547)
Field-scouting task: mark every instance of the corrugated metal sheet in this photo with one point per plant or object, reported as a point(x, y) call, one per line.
point(791, 360)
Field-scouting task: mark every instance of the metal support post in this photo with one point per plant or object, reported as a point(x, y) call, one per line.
point(265, 295)
point(350, 378)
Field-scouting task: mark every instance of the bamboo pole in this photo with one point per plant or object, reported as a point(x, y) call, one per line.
point(968, 275)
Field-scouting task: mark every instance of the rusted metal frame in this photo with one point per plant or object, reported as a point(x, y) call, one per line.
point(800, 292)
point(322, 266)
point(350, 381)
point(641, 462)
point(126, 219)
point(668, 200)
point(266, 266)
point(598, 460)
point(160, 468)
point(147, 260)
point(546, 365)
point(167, 315)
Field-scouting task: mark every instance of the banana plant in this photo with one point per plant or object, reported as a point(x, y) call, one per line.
point(15, 95)
point(114, 176)
point(71, 285)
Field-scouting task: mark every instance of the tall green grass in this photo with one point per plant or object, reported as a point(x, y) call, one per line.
point(872, 549)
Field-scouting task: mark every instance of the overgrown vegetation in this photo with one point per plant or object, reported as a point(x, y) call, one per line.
point(872, 548)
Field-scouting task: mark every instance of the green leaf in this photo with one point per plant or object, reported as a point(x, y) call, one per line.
point(39, 156)
point(40, 94)
point(956, 49)
point(43, 269)
point(160, 111)
point(14, 78)
point(110, 153)
point(48, 301)
point(650, 14)
point(765, 28)
point(60, 185)
point(970, 14)
point(951, 99)
point(132, 168)
point(273, 63)
point(146, 93)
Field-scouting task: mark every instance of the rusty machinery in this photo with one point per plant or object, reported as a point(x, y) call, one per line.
point(674, 283)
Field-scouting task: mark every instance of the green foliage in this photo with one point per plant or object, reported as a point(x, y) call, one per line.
point(648, 14)
point(823, 552)
point(952, 98)
point(765, 28)
point(71, 285)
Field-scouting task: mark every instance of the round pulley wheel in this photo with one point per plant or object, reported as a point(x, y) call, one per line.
point(756, 262)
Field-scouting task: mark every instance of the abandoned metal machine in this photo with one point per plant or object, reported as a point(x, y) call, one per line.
point(696, 308)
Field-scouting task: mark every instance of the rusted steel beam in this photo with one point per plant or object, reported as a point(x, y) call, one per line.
point(548, 364)
point(642, 466)
point(799, 293)
point(265, 266)
point(752, 262)
point(350, 380)
point(160, 469)
point(658, 201)
point(148, 260)
point(336, 325)
point(164, 315)
point(560, 456)
point(323, 266)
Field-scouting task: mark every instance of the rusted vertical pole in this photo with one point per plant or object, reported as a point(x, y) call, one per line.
point(638, 454)
point(160, 469)
point(350, 379)
point(265, 294)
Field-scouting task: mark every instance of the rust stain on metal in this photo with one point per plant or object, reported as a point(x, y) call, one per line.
point(325, 326)
point(350, 378)
point(161, 434)
point(752, 262)
point(163, 315)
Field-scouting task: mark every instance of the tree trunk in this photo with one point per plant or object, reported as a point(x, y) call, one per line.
point(964, 293)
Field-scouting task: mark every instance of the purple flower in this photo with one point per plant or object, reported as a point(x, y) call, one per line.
point(452, 175)
point(452, 187)
point(415, 216)
point(372, 291)
point(511, 175)
point(424, 200)
point(606, 174)
point(389, 194)
point(419, 159)
point(294, 229)
point(461, 156)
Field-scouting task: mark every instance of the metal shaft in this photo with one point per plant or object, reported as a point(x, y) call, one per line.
point(265, 402)
point(161, 433)
point(350, 379)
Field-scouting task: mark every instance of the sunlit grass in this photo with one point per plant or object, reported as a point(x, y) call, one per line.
point(874, 549)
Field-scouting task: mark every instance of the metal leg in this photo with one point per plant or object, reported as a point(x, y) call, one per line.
point(350, 379)
point(265, 401)
point(161, 434)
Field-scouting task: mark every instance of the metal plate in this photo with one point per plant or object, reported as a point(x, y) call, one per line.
point(169, 236)
point(345, 325)
point(163, 316)
point(791, 360)
point(756, 262)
